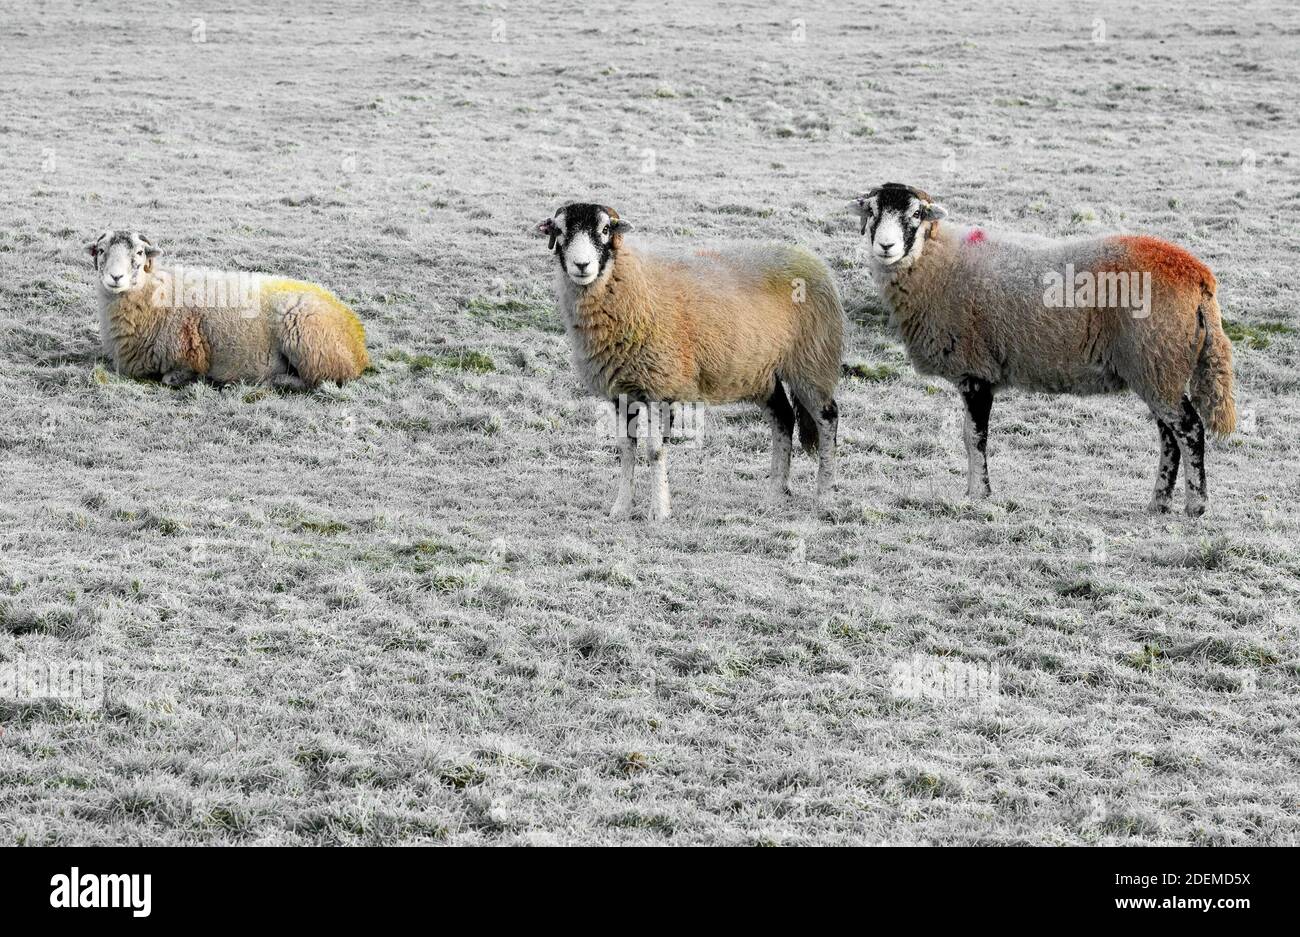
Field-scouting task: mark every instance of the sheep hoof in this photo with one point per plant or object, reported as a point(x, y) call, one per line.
point(1158, 506)
point(1195, 508)
point(780, 491)
point(979, 494)
point(178, 378)
point(620, 511)
point(289, 382)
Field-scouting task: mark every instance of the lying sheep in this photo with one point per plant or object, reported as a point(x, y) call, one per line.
point(180, 324)
point(715, 327)
point(1083, 316)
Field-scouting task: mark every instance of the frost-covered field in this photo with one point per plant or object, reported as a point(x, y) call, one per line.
point(397, 612)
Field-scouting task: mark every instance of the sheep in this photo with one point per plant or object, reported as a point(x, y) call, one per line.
point(717, 326)
point(1120, 311)
point(184, 323)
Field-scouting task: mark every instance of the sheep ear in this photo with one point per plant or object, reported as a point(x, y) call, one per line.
point(935, 212)
point(859, 205)
point(620, 227)
point(93, 248)
point(151, 253)
point(551, 230)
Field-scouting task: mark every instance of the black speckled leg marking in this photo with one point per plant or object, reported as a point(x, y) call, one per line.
point(1167, 473)
point(831, 416)
point(977, 394)
point(828, 433)
point(780, 415)
point(818, 409)
point(1190, 434)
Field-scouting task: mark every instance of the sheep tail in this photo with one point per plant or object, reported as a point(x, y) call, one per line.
point(809, 438)
point(1211, 385)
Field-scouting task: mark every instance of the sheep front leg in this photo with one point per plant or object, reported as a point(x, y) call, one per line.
point(627, 468)
point(1167, 474)
point(977, 395)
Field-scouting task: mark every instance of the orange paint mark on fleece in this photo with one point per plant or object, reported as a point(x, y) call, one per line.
point(194, 351)
point(1168, 261)
point(974, 236)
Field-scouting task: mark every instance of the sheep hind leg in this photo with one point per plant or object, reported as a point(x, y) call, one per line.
point(780, 416)
point(1190, 433)
point(977, 395)
point(828, 432)
point(316, 342)
point(818, 413)
point(1167, 473)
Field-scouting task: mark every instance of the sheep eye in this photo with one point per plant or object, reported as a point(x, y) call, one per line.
point(605, 230)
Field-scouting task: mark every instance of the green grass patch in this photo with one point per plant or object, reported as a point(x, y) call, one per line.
point(1147, 660)
point(744, 211)
point(872, 373)
point(413, 425)
point(473, 361)
point(425, 548)
point(1079, 589)
point(641, 820)
point(422, 556)
point(467, 359)
point(416, 362)
point(324, 528)
point(512, 313)
point(460, 776)
point(1258, 336)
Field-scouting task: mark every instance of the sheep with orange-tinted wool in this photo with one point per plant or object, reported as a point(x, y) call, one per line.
point(1089, 315)
point(179, 324)
point(714, 326)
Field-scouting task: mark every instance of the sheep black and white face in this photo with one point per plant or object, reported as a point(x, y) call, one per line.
point(584, 238)
point(896, 218)
point(121, 259)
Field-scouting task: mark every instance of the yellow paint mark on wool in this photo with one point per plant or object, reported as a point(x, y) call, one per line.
point(353, 330)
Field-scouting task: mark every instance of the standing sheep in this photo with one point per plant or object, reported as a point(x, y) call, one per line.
point(180, 324)
point(1118, 311)
point(715, 327)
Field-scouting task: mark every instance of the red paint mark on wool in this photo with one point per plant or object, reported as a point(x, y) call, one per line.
point(974, 236)
point(1168, 261)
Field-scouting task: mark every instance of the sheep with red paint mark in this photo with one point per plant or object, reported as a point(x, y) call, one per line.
point(990, 310)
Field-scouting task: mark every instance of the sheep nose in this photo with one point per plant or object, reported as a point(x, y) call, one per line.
point(115, 277)
point(887, 247)
point(582, 267)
